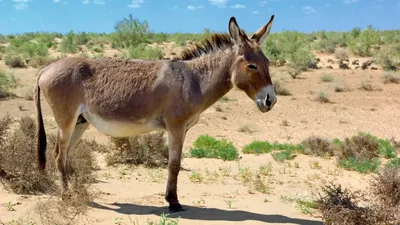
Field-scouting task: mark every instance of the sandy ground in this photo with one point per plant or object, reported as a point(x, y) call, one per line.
point(137, 194)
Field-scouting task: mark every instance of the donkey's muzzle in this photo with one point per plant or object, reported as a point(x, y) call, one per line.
point(266, 98)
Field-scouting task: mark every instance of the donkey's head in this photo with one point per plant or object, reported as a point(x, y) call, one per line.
point(250, 70)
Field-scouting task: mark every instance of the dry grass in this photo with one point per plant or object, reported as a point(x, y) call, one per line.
point(341, 206)
point(317, 146)
point(280, 89)
point(341, 54)
point(391, 77)
point(150, 150)
point(322, 97)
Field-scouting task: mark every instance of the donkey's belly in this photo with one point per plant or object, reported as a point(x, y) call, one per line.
point(121, 128)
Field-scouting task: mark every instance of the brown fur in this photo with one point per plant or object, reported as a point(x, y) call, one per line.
point(125, 97)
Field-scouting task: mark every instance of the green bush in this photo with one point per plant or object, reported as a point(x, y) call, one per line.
point(130, 32)
point(67, 44)
point(208, 147)
point(13, 60)
point(144, 52)
point(7, 82)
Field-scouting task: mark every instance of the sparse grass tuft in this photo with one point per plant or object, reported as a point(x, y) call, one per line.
point(14, 61)
point(386, 186)
point(317, 146)
point(341, 54)
point(326, 78)
point(391, 77)
point(245, 129)
point(341, 87)
point(208, 147)
point(257, 147)
point(283, 155)
point(150, 150)
point(322, 97)
point(7, 83)
point(18, 163)
point(281, 89)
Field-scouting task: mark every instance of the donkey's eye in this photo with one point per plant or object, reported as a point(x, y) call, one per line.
point(252, 67)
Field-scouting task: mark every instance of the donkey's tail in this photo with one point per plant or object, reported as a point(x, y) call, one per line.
point(41, 134)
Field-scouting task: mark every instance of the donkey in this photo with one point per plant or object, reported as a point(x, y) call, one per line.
point(127, 97)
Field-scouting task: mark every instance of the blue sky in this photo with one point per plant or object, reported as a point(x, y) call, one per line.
point(18, 16)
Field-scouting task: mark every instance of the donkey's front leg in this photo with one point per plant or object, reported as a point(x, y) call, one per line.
point(176, 137)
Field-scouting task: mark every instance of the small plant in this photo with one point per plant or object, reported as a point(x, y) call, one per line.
point(150, 150)
point(341, 87)
point(317, 146)
point(245, 129)
point(326, 78)
point(386, 186)
point(144, 52)
point(280, 89)
point(260, 147)
point(341, 54)
point(14, 61)
point(391, 77)
point(208, 147)
point(7, 83)
point(394, 163)
point(196, 177)
point(229, 203)
point(322, 97)
point(281, 156)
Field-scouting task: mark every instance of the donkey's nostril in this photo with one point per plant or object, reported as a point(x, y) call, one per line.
point(268, 101)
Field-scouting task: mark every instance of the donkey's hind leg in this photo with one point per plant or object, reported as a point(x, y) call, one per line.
point(80, 128)
point(68, 133)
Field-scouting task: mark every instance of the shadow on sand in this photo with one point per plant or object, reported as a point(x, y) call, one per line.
point(195, 213)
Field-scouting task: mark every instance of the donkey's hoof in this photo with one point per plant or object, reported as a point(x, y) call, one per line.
point(176, 207)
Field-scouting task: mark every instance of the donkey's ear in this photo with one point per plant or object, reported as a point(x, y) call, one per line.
point(263, 32)
point(235, 32)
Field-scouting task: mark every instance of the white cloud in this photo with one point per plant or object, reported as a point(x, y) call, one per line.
point(263, 3)
point(136, 4)
point(100, 2)
point(349, 1)
point(219, 3)
point(56, 1)
point(255, 12)
point(192, 7)
point(173, 7)
point(21, 4)
point(309, 9)
point(238, 6)
point(85, 2)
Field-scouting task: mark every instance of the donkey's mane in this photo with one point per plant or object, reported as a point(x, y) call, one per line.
point(214, 42)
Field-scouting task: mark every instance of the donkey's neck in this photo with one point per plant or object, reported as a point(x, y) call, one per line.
point(215, 75)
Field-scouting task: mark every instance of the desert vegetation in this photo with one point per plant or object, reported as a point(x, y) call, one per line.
point(333, 132)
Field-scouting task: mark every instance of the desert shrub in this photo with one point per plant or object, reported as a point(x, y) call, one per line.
point(18, 161)
point(67, 44)
point(326, 78)
point(341, 86)
point(208, 147)
point(385, 186)
point(14, 60)
point(280, 89)
point(98, 49)
point(130, 32)
point(147, 149)
point(144, 52)
point(38, 61)
point(361, 152)
point(341, 54)
point(340, 206)
point(260, 147)
point(391, 77)
point(257, 147)
point(81, 38)
point(317, 146)
point(384, 57)
point(7, 83)
point(327, 42)
point(322, 97)
point(280, 156)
